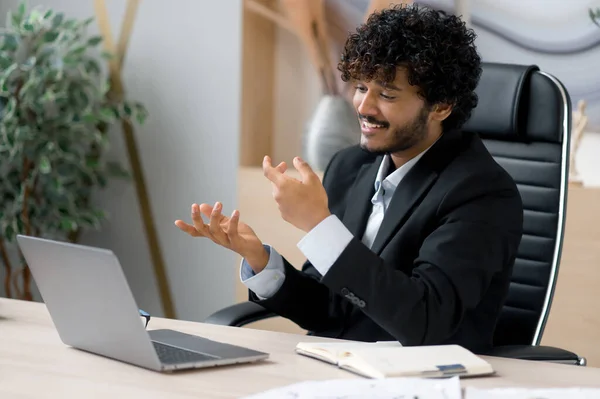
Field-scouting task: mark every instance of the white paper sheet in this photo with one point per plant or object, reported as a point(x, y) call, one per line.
point(525, 393)
point(391, 388)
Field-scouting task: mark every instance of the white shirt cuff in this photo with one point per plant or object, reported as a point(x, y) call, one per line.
point(324, 244)
point(266, 283)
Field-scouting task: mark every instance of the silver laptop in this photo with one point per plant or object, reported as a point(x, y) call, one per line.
point(93, 309)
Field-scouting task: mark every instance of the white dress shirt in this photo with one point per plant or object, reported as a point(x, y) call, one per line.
point(331, 231)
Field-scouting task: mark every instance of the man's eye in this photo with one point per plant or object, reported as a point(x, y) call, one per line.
point(362, 89)
point(387, 97)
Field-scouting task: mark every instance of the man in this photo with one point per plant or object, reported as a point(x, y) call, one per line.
point(413, 234)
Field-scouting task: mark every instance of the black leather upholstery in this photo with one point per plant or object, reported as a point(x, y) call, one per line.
point(239, 315)
point(524, 118)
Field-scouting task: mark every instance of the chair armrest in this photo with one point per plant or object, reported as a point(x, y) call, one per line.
point(539, 353)
point(239, 314)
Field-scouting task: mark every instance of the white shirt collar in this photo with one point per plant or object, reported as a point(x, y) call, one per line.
point(393, 179)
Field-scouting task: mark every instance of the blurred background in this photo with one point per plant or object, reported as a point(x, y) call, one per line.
point(226, 82)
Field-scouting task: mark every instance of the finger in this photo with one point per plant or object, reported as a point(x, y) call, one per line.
point(215, 225)
point(232, 226)
point(282, 167)
point(272, 173)
point(198, 222)
point(206, 210)
point(187, 228)
point(305, 170)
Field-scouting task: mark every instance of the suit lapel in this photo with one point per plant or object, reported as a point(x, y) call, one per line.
point(359, 205)
point(410, 190)
point(414, 186)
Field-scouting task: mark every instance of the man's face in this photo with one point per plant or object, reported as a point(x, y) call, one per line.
point(393, 118)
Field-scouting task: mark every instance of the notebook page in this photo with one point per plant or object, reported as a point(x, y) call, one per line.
point(419, 359)
point(337, 349)
point(392, 388)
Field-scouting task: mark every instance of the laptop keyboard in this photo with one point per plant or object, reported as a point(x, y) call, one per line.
point(172, 355)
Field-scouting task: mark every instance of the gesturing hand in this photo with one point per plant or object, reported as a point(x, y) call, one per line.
point(227, 232)
point(303, 203)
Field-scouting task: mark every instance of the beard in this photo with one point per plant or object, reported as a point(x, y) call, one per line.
point(402, 138)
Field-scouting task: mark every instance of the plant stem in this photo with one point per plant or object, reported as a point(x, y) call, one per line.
point(7, 268)
point(25, 216)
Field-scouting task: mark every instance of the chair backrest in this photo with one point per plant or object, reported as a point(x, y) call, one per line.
point(524, 119)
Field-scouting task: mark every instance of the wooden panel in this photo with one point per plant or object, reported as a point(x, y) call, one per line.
point(574, 321)
point(258, 73)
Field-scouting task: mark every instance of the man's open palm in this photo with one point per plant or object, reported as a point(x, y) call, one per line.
point(228, 232)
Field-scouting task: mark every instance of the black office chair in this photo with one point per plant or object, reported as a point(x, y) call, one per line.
point(524, 118)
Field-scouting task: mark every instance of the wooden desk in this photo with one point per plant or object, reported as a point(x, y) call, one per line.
point(34, 363)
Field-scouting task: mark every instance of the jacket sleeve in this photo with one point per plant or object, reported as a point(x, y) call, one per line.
point(477, 236)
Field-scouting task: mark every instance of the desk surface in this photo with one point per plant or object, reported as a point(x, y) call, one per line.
point(34, 363)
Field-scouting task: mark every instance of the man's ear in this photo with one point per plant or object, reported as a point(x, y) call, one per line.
point(441, 111)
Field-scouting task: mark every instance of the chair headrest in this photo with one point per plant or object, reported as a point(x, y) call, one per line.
point(510, 106)
point(502, 96)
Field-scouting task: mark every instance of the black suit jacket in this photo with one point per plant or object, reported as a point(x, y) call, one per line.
point(439, 269)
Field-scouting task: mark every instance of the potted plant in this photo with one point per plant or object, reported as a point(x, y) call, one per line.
point(55, 111)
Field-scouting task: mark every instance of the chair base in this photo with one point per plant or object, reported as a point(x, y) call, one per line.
point(538, 353)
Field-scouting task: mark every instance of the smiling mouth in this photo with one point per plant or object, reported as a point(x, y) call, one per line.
point(369, 125)
point(371, 128)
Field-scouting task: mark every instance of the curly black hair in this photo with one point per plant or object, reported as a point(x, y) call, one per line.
point(437, 49)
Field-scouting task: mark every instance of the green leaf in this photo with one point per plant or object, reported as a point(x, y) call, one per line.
point(594, 16)
point(5, 77)
point(9, 232)
point(22, 9)
point(13, 19)
point(140, 113)
point(57, 20)
point(28, 26)
point(5, 60)
point(68, 224)
point(35, 15)
point(70, 24)
point(94, 41)
point(9, 110)
point(48, 14)
point(79, 50)
point(127, 110)
point(45, 166)
point(107, 55)
point(92, 67)
point(8, 42)
point(89, 118)
point(51, 36)
point(107, 115)
point(29, 63)
point(92, 163)
point(87, 21)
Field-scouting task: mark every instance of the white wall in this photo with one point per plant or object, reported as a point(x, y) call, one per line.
point(184, 63)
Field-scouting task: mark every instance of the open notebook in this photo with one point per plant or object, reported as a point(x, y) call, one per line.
point(390, 359)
